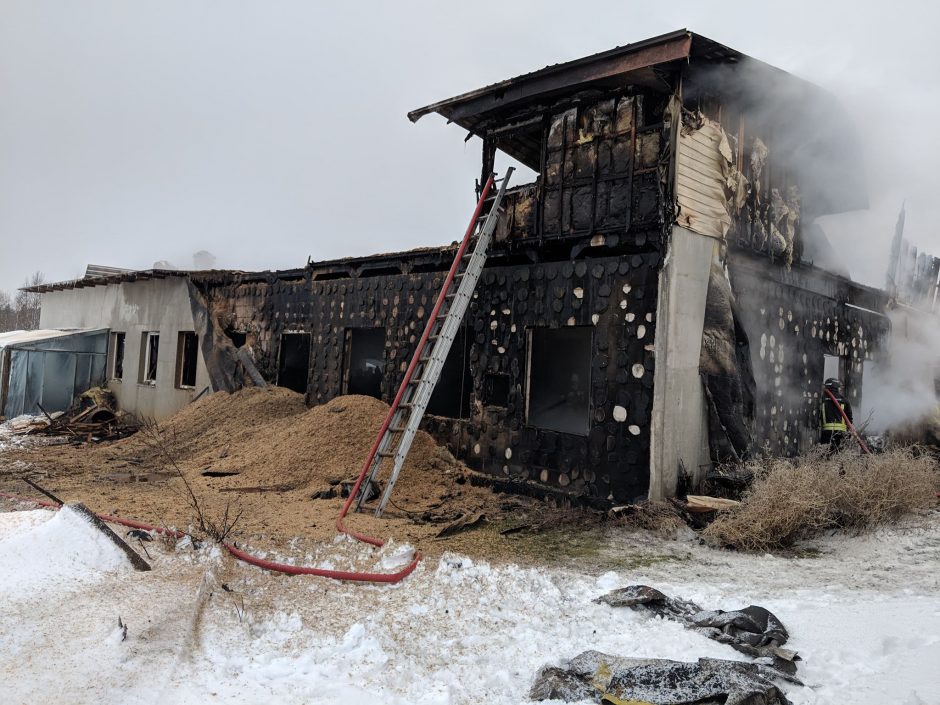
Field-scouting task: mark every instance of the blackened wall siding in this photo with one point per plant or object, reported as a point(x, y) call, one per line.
point(612, 459)
point(794, 318)
point(580, 247)
point(614, 296)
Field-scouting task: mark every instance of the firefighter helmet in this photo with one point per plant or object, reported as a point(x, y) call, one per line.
point(833, 384)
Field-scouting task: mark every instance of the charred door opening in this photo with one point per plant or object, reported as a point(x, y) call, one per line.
point(559, 379)
point(451, 397)
point(294, 361)
point(365, 361)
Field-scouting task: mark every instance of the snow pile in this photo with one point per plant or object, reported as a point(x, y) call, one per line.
point(12, 523)
point(64, 548)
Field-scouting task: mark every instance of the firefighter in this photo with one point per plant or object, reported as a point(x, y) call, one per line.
point(833, 429)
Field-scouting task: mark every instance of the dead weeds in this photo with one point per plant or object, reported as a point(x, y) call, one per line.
point(795, 499)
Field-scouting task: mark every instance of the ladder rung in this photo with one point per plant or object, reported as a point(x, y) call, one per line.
point(386, 454)
point(396, 429)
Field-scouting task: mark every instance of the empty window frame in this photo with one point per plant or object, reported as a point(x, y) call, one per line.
point(293, 362)
point(187, 354)
point(559, 378)
point(117, 356)
point(149, 354)
point(365, 361)
point(832, 367)
point(451, 396)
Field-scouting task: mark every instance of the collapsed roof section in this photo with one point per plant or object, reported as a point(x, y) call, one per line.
point(806, 122)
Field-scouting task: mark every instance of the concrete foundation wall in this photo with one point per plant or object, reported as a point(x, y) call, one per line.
point(134, 308)
point(679, 424)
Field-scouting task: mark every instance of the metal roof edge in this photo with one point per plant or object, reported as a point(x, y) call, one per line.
point(437, 106)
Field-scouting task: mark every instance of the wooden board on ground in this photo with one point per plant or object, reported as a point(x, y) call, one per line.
point(701, 503)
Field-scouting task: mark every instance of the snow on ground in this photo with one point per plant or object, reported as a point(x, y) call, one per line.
point(52, 548)
point(864, 614)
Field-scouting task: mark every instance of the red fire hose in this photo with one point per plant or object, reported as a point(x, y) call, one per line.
point(247, 557)
point(847, 422)
point(340, 525)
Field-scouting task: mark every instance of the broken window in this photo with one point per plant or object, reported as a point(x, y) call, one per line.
point(365, 361)
point(559, 378)
point(451, 396)
point(187, 353)
point(149, 353)
point(117, 355)
point(294, 361)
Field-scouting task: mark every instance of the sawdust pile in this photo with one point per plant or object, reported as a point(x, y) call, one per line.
point(261, 454)
point(267, 439)
point(216, 422)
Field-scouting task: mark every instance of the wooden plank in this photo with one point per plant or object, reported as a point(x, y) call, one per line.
point(702, 503)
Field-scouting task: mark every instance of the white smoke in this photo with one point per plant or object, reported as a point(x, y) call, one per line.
point(899, 388)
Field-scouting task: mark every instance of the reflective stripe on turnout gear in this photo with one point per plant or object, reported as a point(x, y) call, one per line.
point(836, 425)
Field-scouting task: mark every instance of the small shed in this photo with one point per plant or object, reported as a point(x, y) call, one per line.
point(49, 368)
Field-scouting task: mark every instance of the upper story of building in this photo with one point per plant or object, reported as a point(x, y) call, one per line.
point(677, 129)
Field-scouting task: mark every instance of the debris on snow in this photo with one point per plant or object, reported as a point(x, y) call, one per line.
point(616, 680)
point(753, 630)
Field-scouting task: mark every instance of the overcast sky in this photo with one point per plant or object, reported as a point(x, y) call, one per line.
point(267, 132)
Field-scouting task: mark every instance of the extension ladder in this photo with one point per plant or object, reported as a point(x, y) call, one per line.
point(405, 414)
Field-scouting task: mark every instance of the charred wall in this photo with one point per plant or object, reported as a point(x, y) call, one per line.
point(580, 250)
point(612, 297)
point(794, 318)
point(785, 315)
point(601, 164)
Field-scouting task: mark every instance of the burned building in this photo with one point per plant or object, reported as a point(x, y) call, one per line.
point(649, 305)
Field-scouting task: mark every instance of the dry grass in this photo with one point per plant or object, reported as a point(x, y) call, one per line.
point(659, 517)
point(793, 499)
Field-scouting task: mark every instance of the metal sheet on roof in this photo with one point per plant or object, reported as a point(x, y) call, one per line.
point(22, 337)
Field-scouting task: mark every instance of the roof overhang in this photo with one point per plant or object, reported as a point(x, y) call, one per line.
point(632, 61)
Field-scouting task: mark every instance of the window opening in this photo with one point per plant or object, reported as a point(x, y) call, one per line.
point(451, 396)
point(187, 354)
point(150, 353)
point(117, 355)
point(365, 367)
point(294, 361)
point(559, 378)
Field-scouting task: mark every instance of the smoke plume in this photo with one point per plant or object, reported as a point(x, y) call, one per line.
point(899, 387)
